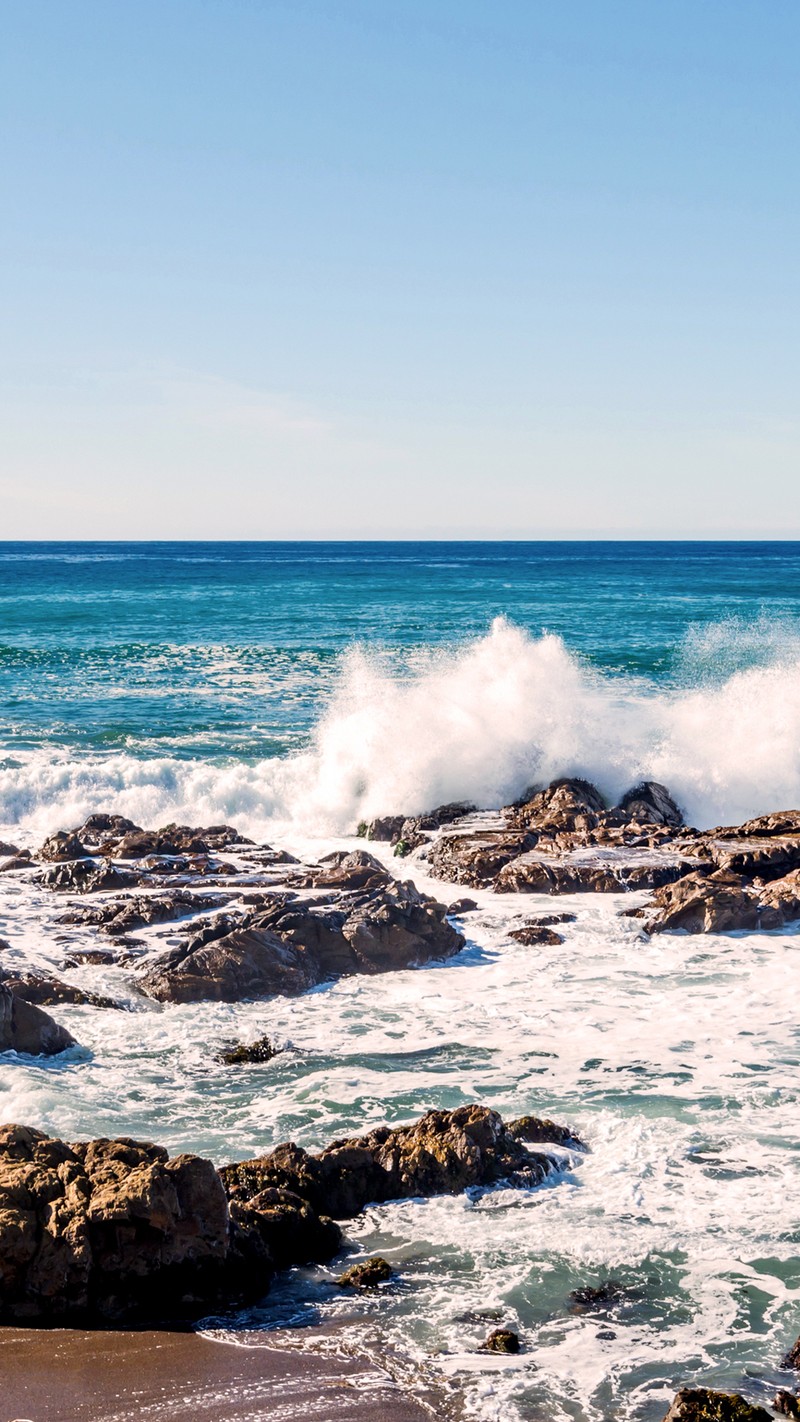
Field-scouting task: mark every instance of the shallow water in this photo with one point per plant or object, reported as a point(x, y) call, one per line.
point(173, 683)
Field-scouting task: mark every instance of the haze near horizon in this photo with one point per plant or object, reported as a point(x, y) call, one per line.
point(318, 270)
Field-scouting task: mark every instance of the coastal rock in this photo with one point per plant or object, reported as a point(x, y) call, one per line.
point(386, 828)
point(537, 1130)
point(88, 876)
point(707, 903)
point(368, 1275)
point(121, 916)
point(25, 1028)
point(532, 935)
point(787, 1403)
point(651, 803)
point(792, 1358)
point(477, 858)
point(567, 804)
point(592, 1298)
point(50, 992)
point(249, 1053)
point(501, 1340)
point(701, 1404)
point(354, 869)
point(461, 906)
point(442, 1154)
point(61, 847)
point(293, 946)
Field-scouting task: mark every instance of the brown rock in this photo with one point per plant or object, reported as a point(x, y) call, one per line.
point(701, 1404)
point(62, 847)
point(786, 1402)
point(537, 1130)
point(353, 869)
point(535, 934)
point(477, 858)
point(50, 992)
point(88, 876)
point(501, 1340)
point(706, 903)
point(25, 1028)
point(367, 1275)
point(651, 803)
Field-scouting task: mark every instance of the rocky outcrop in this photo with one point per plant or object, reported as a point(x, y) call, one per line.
point(701, 1404)
point(25, 1028)
point(50, 992)
point(294, 945)
point(122, 916)
point(442, 1154)
point(722, 901)
point(354, 869)
point(88, 876)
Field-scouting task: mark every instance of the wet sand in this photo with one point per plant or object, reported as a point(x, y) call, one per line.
point(67, 1375)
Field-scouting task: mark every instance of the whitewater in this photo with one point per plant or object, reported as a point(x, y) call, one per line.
point(294, 696)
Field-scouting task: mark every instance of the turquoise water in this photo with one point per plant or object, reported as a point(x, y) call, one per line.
point(291, 689)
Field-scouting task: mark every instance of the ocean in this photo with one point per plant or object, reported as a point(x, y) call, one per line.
point(293, 689)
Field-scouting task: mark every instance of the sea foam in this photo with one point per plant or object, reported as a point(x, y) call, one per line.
point(479, 722)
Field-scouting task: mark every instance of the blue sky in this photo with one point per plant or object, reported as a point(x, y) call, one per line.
point(353, 269)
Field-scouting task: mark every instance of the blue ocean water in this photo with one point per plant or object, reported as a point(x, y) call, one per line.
point(231, 653)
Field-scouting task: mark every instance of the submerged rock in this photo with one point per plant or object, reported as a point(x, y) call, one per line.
point(25, 1028)
point(593, 1298)
point(368, 1275)
point(535, 934)
point(536, 1130)
point(246, 1053)
point(501, 1340)
point(701, 1404)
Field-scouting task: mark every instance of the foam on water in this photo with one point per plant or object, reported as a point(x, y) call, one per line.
point(480, 722)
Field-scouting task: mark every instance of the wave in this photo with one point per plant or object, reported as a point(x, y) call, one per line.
point(480, 723)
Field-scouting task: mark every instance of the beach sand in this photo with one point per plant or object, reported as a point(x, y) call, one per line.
point(68, 1375)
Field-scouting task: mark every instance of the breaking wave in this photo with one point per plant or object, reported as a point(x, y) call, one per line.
point(481, 723)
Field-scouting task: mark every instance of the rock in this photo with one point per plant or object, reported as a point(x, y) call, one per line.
point(461, 906)
point(355, 869)
point(61, 847)
point(9, 849)
point(23, 860)
point(700, 1404)
point(408, 843)
point(292, 946)
point(792, 1358)
point(122, 916)
point(442, 1154)
point(593, 1298)
point(535, 934)
point(50, 992)
point(285, 1229)
point(88, 876)
point(501, 1340)
point(786, 1402)
point(25, 1028)
point(567, 804)
point(386, 828)
point(251, 1052)
point(368, 1275)
point(536, 1130)
point(706, 903)
point(477, 858)
point(651, 803)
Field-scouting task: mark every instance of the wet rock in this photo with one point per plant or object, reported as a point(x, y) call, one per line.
point(368, 1275)
point(501, 1340)
point(294, 946)
point(787, 1403)
point(477, 858)
point(25, 1028)
point(169, 841)
point(594, 1297)
point(651, 803)
point(88, 876)
point(285, 1229)
point(51, 992)
point(792, 1358)
point(62, 847)
point(354, 869)
point(122, 916)
point(537, 1130)
point(443, 1153)
point(567, 804)
point(461, 906)
point(535, 934)
point(701, 1404)
point(246, 1053)
point(23, 860)
point(8, 849)
point(386, 828)
point(99, 828)
point(707, 903)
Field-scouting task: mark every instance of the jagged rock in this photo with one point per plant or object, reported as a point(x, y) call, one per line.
point(441, 1154)
point(792, 1358)
point(651, 803)
point(537, 1130)
point(293, 946)
point(477, 858)
point(7, 848)
point(50, 992)
point(249, 1052)
point(701, 1404)
point(594, 1297)
point(122, 916)
point(25, 1028)
point(368, 1275)
point(532, 935)
point(23, 860)
point(567, 804)
point(708, 903)
point(605, 872)
point(787, 1403)
point(88, 876)
point(386, 828)
point(353, 869)
point(61, 847)
point(501, 1340)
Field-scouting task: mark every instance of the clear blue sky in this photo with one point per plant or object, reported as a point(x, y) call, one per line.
point(430, 268)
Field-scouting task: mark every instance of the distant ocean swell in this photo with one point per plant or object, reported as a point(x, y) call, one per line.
point(481, 723)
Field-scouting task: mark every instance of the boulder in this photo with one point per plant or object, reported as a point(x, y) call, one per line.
point(537, 1130)
point(709, 903)
point(248, 1053)
point(88, 876)
point(567, 804)
point(61, 847)
point(501, 1340)
point(533, 935)
point(651, 803)
point(701, 1404)
point(477, 858)
point(368, 1275)
point(386, 828)
point(25, 1028)
point(344, 869)
point(295, 945)
point(442, 1154)
point(787, 1403)
point(594, 1298)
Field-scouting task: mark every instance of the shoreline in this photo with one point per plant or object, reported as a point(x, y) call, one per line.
point(171, 1376)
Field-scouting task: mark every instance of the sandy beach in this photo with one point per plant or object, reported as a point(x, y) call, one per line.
point(68, 1375)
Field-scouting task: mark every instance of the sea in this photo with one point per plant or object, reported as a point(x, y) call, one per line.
point(295, 689)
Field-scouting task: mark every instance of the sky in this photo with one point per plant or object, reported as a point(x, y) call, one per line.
point(399, 268)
